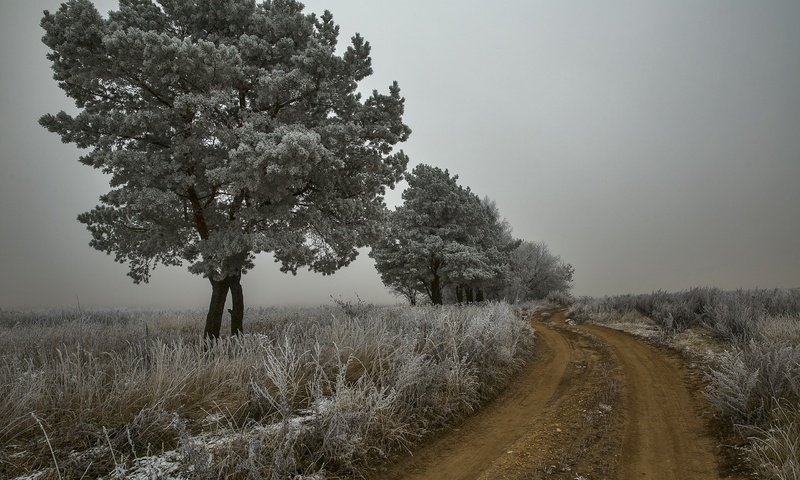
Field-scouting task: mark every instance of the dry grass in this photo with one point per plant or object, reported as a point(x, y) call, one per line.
point(309, 392)
point(730, 315)
point(774, 449)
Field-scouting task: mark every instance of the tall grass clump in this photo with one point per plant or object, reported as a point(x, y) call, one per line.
point(308, 393)
point(774, 449)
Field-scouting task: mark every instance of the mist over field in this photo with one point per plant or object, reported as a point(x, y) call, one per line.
point(653, 146)
point(582, 263)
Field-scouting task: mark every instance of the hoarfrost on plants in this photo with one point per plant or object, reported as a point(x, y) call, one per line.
point(317, 392)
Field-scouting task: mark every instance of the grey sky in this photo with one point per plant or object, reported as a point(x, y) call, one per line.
point(651, 144)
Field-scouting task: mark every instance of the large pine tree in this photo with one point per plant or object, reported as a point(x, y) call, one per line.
point(228, 128)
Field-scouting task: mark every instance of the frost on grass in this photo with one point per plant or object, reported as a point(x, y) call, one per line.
point(166, 465)
point(308, 394)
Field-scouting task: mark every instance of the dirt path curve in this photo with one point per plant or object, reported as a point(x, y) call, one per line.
point(464, 453)
point(594, 403)
point(665, 435)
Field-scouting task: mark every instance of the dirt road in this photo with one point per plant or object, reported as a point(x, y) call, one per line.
point(665, 436)
point(594, 403)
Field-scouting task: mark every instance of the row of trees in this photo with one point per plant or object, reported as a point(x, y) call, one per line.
point(448, 244)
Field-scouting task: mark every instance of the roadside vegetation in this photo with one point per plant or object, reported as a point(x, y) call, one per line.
point(310, 393)
point(751, 353)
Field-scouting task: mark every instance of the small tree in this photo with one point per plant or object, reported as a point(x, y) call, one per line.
point(398, 265)
point(229, 128)
point(440, 236)
point(535, 272)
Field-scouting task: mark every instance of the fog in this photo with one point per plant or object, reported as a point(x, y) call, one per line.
point(653, 145)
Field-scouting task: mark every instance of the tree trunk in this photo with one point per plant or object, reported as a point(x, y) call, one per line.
point(412, 296)
point(469, 295)
point(478, 295)
point(237, 300)
point(219, 293)
point(436, 290)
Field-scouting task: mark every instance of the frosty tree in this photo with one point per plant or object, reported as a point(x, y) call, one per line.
point(535, 272)
point(485, 273)
point(442, 235)
point(228, 128)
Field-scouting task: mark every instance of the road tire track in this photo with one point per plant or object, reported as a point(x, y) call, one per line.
point(665, 435)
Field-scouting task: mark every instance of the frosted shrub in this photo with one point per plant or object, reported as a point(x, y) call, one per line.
point(560, 297)
point(359, 422)
point(756, 384)
point(672, 317)
point(416, 377)
point(733, 316)
point(283, 367)
point(600, 310)
point(732, 384)
point(751, 378)
point(778, 301)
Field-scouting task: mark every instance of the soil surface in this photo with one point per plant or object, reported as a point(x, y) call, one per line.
point(594, 403)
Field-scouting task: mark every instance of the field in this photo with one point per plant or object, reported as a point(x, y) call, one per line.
point(702, 383)
point(306, 393)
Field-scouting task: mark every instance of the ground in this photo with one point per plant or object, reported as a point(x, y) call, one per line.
point(595, 403)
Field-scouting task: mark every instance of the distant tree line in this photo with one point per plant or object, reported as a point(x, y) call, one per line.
point(445, 244)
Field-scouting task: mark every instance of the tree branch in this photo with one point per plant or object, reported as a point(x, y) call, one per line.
point(199, 218)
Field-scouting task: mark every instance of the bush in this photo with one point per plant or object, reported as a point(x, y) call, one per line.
point(756, 385)
point(750, 379)
point(560, 297)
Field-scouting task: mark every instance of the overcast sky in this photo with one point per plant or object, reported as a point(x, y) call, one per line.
point(654, 145)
